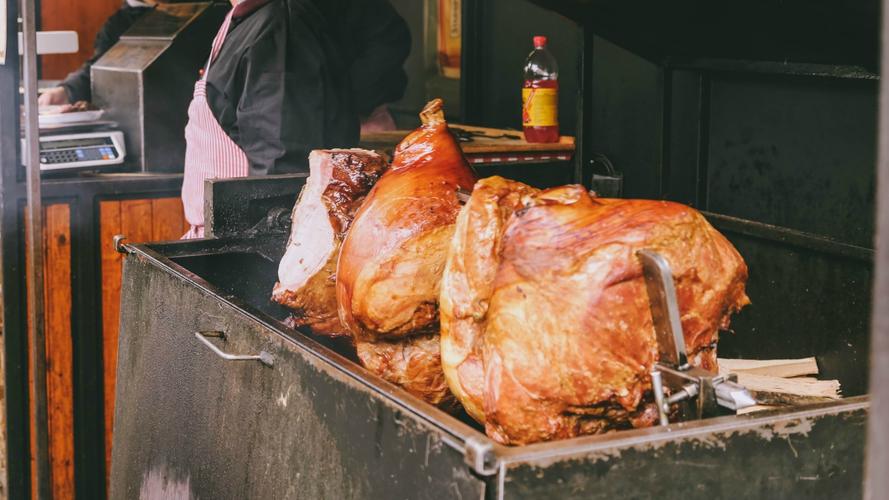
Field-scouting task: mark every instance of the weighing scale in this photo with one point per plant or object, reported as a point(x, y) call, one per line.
point(82, 150)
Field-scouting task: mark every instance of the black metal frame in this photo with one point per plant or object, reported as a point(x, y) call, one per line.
point(82, 194)
point(15, 344)
point(876, 480)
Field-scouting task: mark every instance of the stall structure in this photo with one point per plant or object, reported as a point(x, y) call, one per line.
point(762, 116)
point(78, 303)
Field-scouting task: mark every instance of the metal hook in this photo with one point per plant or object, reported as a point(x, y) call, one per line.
point(119, 244)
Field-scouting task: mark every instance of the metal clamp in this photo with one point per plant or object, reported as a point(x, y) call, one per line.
point(701, 391)
point(263, 357)
point(119, 245)
point(479, 455)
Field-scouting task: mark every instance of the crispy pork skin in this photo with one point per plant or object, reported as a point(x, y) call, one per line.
point(413, 363)
point(392, 258)
point(546, 331)
point(339, 180)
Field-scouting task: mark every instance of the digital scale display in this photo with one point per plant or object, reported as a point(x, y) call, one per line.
point(97, 149)
point(52, 145)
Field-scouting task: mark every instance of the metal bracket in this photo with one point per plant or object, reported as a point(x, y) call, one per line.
point(701, 392)
point(263, 357)
point(277, 220)
point(479, 455)
point(119, 245)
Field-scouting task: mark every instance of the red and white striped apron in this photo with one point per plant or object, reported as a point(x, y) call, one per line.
point(209, 152)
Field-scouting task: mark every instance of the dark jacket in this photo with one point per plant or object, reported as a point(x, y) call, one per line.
point(294, 75)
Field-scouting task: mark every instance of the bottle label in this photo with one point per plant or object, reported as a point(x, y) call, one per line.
point(540, 107)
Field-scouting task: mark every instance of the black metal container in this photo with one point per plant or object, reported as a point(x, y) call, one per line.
point(303, 420)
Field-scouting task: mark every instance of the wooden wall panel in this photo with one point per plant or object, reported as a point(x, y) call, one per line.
point(140, 220)
point(83, 16)
point(59, 351)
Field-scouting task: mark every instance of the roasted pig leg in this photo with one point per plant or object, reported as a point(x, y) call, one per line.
point(546, 331)
point(393, 256)
point(339, 180)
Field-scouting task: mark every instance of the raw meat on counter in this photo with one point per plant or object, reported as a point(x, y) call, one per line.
point(339, 179)
point(393, 256)
point(546, 331)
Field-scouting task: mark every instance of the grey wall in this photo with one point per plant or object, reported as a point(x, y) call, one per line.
point(505, 33)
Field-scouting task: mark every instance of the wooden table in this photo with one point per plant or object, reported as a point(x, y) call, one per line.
point(486, 145)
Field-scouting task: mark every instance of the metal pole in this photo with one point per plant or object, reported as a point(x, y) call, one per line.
point(876, 483)
point(31, 154)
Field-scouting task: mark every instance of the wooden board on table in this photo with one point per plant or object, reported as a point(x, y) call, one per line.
point(489, 141)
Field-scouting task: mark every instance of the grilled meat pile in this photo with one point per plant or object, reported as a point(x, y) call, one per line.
point(545, 325)
point(526, 306)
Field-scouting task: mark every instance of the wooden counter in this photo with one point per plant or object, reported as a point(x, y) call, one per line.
point(82, 274)
point(483, 145)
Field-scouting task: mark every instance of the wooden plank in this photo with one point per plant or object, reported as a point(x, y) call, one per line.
point(111, 263)
point(136, 220)
point(140, 220)
point(772, 367)
point(85, 17)
point(800, 386)
point(167, 219)
point(59, 351)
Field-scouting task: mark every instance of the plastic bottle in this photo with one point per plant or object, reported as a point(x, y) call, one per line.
point(540, 95)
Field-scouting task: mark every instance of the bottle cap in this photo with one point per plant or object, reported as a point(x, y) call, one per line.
point(539, 42)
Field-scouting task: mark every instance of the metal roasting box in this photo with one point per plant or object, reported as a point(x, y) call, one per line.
point(292, 416)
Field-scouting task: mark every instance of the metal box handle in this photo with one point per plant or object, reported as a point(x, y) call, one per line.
point(263, 357)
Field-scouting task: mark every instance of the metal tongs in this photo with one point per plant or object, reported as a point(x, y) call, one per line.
point(700, 392)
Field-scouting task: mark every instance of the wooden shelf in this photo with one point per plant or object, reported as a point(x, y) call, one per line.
point(488, 146)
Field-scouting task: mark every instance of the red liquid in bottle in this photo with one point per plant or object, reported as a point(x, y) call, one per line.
point(540, 95)
point(542, 133)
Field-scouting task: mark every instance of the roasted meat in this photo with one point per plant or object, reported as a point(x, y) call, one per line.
point(546, 331)
point(339, 179)
point(413, 363)
point(393, 256)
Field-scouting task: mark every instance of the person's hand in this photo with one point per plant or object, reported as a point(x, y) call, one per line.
point(53, 97)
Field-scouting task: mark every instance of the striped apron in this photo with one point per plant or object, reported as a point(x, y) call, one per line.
point(209, 152)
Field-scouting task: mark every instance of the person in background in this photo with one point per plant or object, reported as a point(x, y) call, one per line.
point(380, 49)
point(76, 86)
point(285, 77)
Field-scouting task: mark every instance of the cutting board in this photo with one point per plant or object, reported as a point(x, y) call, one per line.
point(485, 141)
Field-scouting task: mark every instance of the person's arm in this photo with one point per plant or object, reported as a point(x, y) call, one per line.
point(77, 83)
point(382, 42)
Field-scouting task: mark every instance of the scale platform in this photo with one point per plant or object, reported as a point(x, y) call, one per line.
point(81, 146)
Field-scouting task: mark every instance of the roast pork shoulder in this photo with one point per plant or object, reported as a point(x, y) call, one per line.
point(546, 331)
point(339, 179)
point(392, 258)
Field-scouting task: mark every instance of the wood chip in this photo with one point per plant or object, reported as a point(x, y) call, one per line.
point(800, 386)
point(784, 368)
